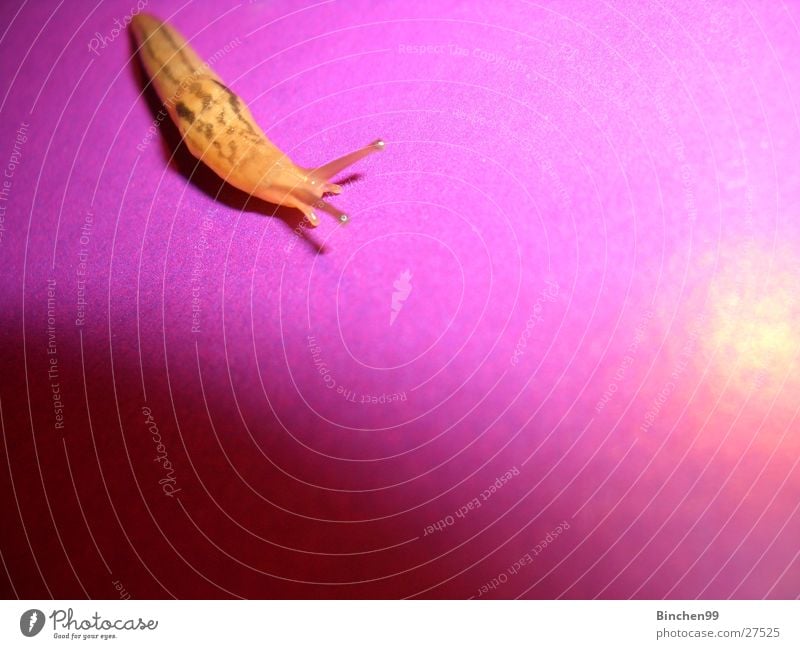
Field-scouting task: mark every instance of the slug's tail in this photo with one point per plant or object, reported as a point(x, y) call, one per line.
point(327, 171)
point(169, 60)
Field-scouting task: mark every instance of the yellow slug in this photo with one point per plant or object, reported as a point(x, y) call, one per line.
point(219, 129)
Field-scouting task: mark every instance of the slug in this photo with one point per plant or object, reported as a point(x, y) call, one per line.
point(219, 129)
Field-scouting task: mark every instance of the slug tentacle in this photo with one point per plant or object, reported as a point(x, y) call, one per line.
point(219, 129)
point(329, 170)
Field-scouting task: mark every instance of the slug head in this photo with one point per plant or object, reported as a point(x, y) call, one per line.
point(304, 188)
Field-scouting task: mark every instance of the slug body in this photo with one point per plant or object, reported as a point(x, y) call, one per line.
point(219, 129)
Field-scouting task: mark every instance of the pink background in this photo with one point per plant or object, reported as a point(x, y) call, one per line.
point(598, 205)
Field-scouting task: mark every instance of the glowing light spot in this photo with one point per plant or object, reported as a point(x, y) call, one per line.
point(754, 309)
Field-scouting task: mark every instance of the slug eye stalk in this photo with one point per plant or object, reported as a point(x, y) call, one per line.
point(329, 170)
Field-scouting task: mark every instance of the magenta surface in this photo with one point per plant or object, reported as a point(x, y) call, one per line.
point(554, 353)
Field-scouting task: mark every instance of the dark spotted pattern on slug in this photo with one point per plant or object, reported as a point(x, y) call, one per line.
point(219, 129)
